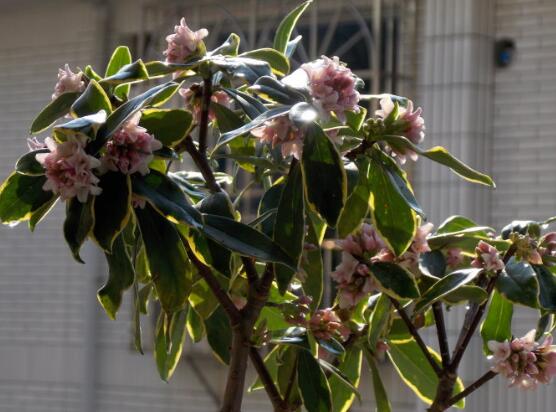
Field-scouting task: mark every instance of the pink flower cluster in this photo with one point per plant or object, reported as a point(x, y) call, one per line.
point(487, 258)
point(183, 43)
point(523, 361)
point(69, 169)
point(280, 131)
point(408, 123)
point(68, 81)
point(547, 248)
point(353, 275)
point(332, 86)
point(192, 97)
point(130, 149)
point(326, 324)
point(454, 257)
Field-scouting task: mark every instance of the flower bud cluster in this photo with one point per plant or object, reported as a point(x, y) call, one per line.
point(487, 257)
point(547, 248)
point(524, 362)
point(68, 81)
point(403, 121)
point(365, 247)
point(281, 131)
point(183, 43)
point(193, 101)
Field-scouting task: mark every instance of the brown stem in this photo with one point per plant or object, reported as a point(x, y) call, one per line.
point(202, 164)
point(413, 331)
point(239, 354)
point(271, 389)
point(441, 332)
point(444, 390)
point(471, 388)
point(205, 107)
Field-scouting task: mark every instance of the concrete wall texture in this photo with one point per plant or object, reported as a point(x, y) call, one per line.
point(58, 351)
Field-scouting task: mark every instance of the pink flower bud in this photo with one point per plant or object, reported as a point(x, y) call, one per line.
point(280, 131)
point(183, 43)
point(332, 86)
point(130, 149)
point(68, 81)
point(454, 257)
point(69, 169)
point(487, 258)
point(193, 103)
point(408, 123)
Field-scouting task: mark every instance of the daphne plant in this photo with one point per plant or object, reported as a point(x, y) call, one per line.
point(326, 168)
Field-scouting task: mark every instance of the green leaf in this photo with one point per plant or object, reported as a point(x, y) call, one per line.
point(467, 293)
point(324, 175)
point(313, 385)
point(38, 215)
point(241, 68)
point(124, 112)
point(289, 229)
point(357, 205)
point(202, 299)
point(120, 57)
point(378, 320)
point(441, 155)
point(170, 269)
point(53, 111)
point(120, 278)
point(498, 321)
point(456, 223)
point(218, 257)
point(433, 264)
point(169, 340)
point(279, 63)
point(21, 196)
point(166, 197)
point(268, 115)
point(91, 101)
point(78, 224)
point(350, 367)
point(195, 326)
point(398, 179)
point(244, 240)
point(285, 29)
point(415, 370)
point(381, 397)
point(547, 287)
point(28, 165)
point(270, 201)
point(138, 335)
point(219, 334)
point(343, 380)
point(444, 286)
point(230, 46)
point(394, 280)
point(250, 105)
point(130, 73)
point(391, 215)
point(292, 46)
point(112, 208)
point(312, 265)
point(169, 126)
point(519, 284)
point(158, 68)
point(271, 89)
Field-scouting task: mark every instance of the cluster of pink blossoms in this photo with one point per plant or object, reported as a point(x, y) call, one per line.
point(408, 123)
point(69, 169)
point(487, 258)
point(324, 323)
point(183, 43)
point(332, 86)
point(547, 248)
point(523, 361)
point(130, 149)
point(353, 275)
point(280, 131)
point(68, 81)
point(192, 97)
point(454, 257)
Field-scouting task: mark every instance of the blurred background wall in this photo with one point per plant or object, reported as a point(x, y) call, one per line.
point(59, 352)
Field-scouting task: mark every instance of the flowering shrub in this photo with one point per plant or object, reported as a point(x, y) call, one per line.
point(176, 238)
